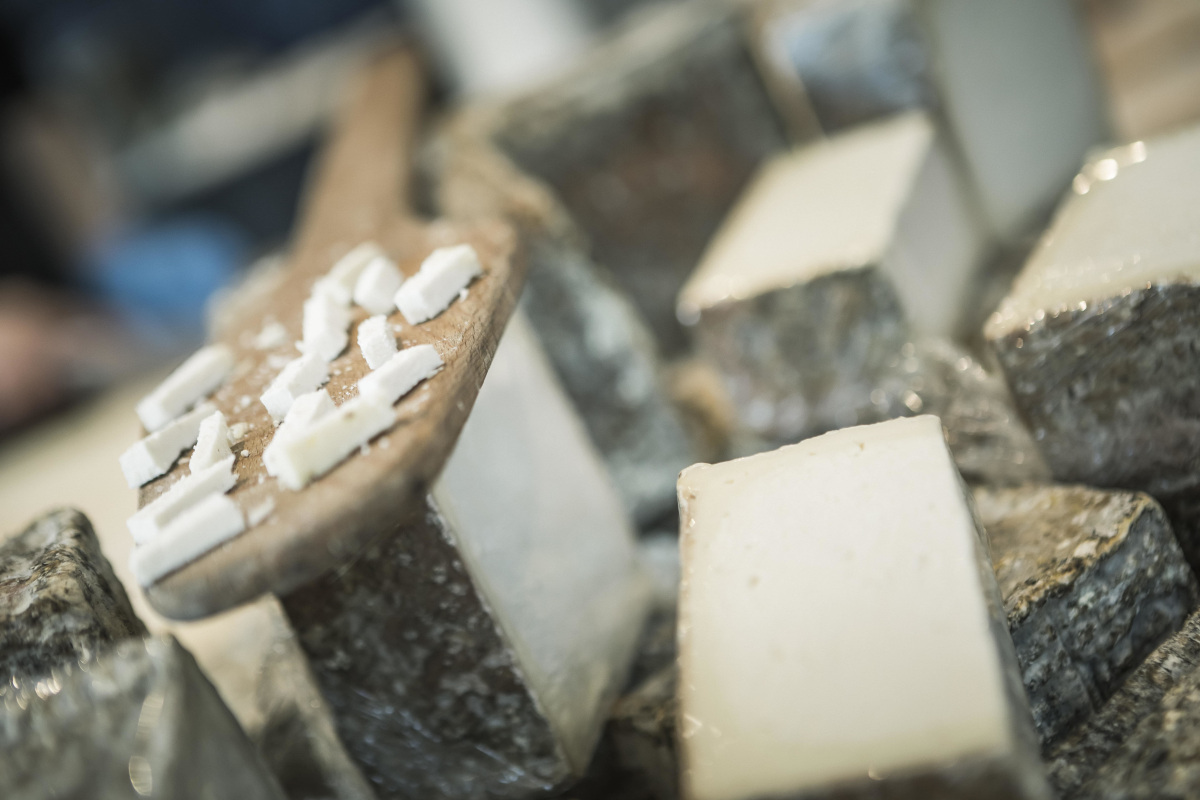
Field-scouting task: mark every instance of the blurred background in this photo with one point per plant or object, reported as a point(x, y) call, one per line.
point(152, 151)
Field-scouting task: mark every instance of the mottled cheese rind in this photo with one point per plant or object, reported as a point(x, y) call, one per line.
point(823, 585)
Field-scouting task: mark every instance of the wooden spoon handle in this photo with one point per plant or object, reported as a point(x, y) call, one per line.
point(362, 180)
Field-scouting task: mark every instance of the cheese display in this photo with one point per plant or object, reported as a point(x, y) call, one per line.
point(511, 610)
point(1097, 336)
point(1092, 582)
point(834, 253)
point(909, 679)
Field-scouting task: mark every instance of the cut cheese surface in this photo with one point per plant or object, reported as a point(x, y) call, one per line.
point(836, 617)
point(444, 274)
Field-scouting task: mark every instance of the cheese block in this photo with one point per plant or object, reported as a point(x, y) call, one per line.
point(498, 624)
point(833, 255)
point(1098, 335)
point(983, 66)
point(840, 629)
point(142, 720)
point(193, 380)
point(1142, 743)
point(61, 601)
point(1092, 582)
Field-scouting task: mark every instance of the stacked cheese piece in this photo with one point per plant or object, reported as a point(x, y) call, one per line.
point(195, 514)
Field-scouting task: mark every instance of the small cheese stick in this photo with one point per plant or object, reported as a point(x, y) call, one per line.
point(399, 374)
point(300, 376)
point(200, 528)
point(153, 455)
point(376, 340)
point(444, 274)
point(376, 287)
point(307, 409)
point(212, 442)
point(339, 283)
point(319, 447)
point(325, 325)
point(193, 380)
point(183, 494)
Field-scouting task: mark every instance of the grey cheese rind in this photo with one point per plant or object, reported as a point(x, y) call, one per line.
point(140, 720)
point(60, 601)
point(1112, 394)
point(296, 733)
point(597, 341)
point(1153, 688)
point(427, 694)
point(1092, 582)
point(647, 143)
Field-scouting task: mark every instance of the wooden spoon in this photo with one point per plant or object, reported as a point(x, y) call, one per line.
point(359, 194)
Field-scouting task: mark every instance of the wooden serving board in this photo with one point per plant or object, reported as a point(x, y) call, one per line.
point(359, 194)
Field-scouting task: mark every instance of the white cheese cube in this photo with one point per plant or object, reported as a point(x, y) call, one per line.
point(193, 380)
point(444, 274)
point(149, 521)
point(300, 376)
point(840, 626)
point(398, 375)
point(325, 325)
point(338, 284)
point(320, 446)
point(307, 409)
point(153, 455)
point(212, 442)
point(213, 520)
point(376, 287)
point(376, 341)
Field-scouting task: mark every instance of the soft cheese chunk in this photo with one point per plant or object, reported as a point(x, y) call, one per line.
point(398, 375)
point(833, 253)
point(212, 442)
point(193, 380)
point(444, 274)
point(839, 625)
point(320, 446)
point(217, 478)
point(376, 341)
point(195, 531)
point(1098, 335)
point(375, 289)
point(300, 376)
point(307, 409)
point(325, 325)
point(153, 455)
point(340, 282)
point(984, 66)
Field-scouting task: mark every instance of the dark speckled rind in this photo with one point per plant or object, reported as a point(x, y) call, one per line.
point(1112, 394)
point(648, 143)
point(1092, 582)
point(426, 692)
point(59, 599)
point(139, 721)
point(1132, 746)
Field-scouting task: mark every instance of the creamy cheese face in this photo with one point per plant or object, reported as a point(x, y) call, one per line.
point(1132, 218)
point(885, 195)
point(835, 617)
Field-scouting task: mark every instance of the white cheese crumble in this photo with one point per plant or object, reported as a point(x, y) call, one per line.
point(307, 409)
point(445, 273)
point(399, 374)
point(318, 447)
point(338, 284)
point(212, 442)
point(150, 520)
point(153, 455)
point(198, 529)
point(192, 381)
point(300, 376)
point(325, 325)
point(376, 341)
point(272, 335)
point(376, 287)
